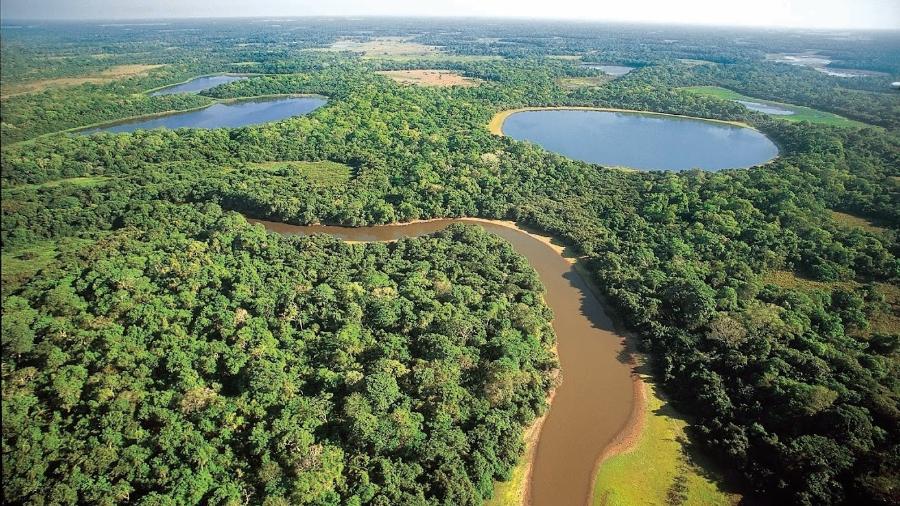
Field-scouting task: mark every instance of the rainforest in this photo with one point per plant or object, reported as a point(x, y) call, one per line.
point(185, 321)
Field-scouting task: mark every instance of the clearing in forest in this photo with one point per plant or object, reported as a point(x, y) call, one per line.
point(105, 76)
point(429, 77)
point(20, 264)
point(655, 465)
point(573, 83)
point(324, 173)
point(385, 47)
point(848, 220)
point(399, 49)
point(883, 315)
point(84, 181)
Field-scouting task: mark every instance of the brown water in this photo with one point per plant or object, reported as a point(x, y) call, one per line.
point(594, 401)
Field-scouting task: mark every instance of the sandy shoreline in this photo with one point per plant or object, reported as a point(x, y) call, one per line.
point(495, 126)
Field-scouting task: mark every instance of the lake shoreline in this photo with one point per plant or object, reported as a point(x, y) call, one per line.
point(173, 112)
point(495, 125)
point(215, 74)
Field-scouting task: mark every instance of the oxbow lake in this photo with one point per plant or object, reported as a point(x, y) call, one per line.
point(198, 84)
point(222, 115)
point(641, 141)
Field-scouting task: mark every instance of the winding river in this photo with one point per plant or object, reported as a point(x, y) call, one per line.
point(594, 402)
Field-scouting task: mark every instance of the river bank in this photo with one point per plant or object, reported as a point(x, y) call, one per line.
point(595, 400)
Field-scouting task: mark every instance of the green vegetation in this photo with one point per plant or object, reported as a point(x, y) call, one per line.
point(299, 370)
point(509, 492)
point(657, 469)
point(21, 264)
point(321, 173)
point(572, 83)
point(855, 221)
point(800, 113)
point(880, 302)
point(74, 181)
point(157, 349)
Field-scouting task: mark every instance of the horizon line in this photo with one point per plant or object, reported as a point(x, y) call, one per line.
point(146, 20)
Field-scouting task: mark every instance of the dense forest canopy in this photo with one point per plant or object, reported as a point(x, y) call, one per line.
point(157, 348)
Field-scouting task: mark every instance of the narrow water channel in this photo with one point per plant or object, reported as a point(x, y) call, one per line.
point(595, 399)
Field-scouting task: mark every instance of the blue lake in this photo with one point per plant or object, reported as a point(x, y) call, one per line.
point(641, 141)
point(197, 85)
point(611, 70)
point(228, 115)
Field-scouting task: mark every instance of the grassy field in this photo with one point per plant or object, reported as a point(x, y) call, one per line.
point(848, 220)
point(510, 493)
point(885, 318)
point(21, 264)
point(384, 47)
point(800, 113)
point(399, 49)
point(657, 469)
point(324, 173)
point(694, 63)
point(73, 181)
point(110, 74)
point(571, 83)
point(429, 77)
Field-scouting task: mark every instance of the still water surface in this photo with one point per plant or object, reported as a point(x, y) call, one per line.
point(766, 108)
point(198, 84)
point(595, 399)
point(611, 70)
point(222, 115)
point(641, 141)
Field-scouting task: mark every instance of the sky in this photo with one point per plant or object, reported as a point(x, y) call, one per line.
point(849, 14)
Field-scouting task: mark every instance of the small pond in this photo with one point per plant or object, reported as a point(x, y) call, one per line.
point(198, 84)
point(766, 108)
point(640, 140)
point(222, 115)
point(610, 70)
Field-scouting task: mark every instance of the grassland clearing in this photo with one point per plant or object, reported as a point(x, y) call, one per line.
point(84, 181)
point(105, 76)
point(399, 49)
point(849, 220)
point(694, 63)
point(572, 83)
point(430, 77)
point(19, 265)
point(883, 318)
point(324, 173)
point(655, 466)
point(385, 47)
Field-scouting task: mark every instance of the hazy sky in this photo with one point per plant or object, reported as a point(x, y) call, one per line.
point(795, 13)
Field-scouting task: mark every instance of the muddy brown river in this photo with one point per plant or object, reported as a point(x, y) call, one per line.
point(593, 403)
